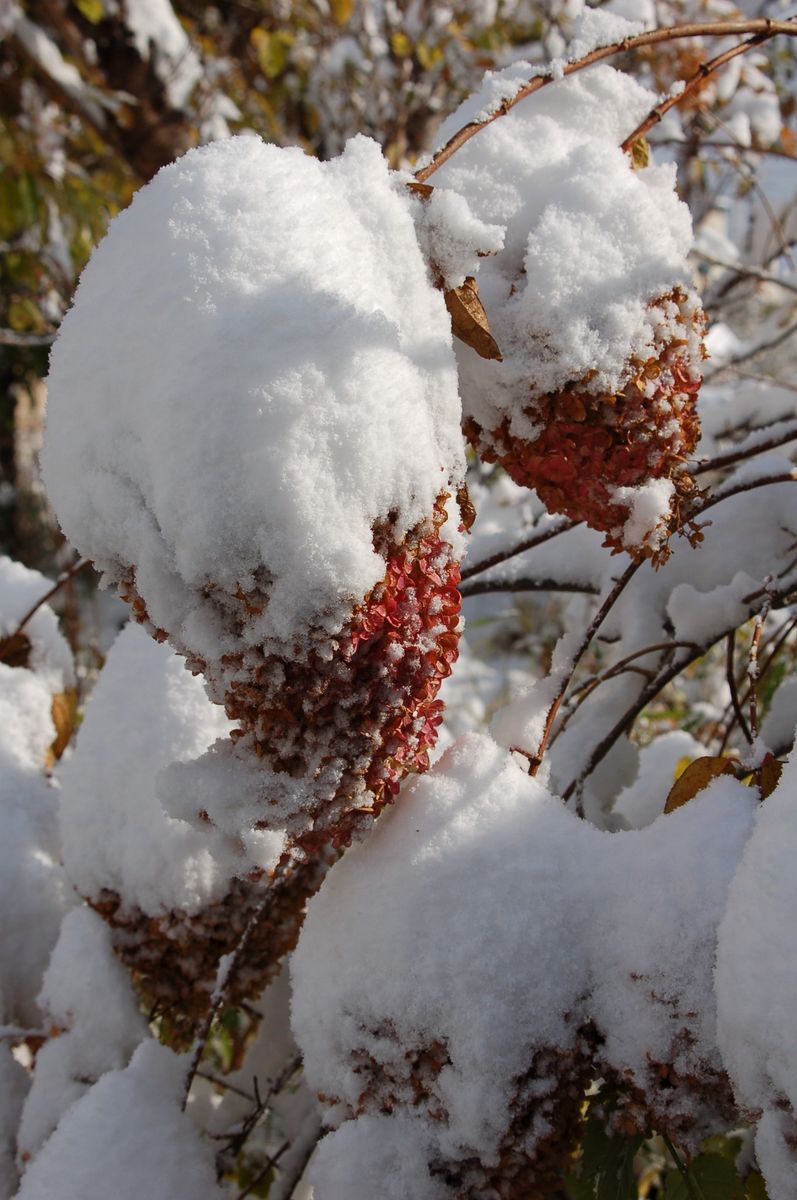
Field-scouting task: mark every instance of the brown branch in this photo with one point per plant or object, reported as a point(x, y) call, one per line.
point(771, 597)
point(752, 352)
point(485, 586)
point(730, 676)
point(261, 1174)
point(528, 543)
point(653, 37)
point(608, 604)
point(60, 582)
point(736, 456)
point(703, 72)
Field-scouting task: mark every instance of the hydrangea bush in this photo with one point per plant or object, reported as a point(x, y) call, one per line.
point(427, 832)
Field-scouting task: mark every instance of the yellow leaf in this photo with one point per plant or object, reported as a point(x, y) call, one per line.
point(681, 766)
point(93, 10)
point(469, 320)
point(640, 154)
point(64, 714)
point(341, 11)
point(400, 44)
point(271, 50)
point(697, 776)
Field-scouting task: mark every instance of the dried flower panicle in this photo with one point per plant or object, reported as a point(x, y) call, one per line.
point(585, 446)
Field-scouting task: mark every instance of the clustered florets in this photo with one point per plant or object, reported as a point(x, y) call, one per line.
point(588, 445)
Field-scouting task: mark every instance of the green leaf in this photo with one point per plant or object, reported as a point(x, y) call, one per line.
point(755, 1188)
point(713, 1177)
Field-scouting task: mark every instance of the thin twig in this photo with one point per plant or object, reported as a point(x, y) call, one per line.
point(749, 485)
point(260, 1176)
point(702, 73)
point(651, 38)
point(481, 587)
point(730, 676)
point(746, 271)
point(753, 352)
point(527, 543)
point(60, 582)
point(226, 970)
point(730, 459)
point(752, 669)
point(608, 604)
point(775, 598)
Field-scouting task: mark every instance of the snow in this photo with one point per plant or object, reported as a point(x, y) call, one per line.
point(34, 891)
point(95, 1025)
point(649, 509)
point(127, 1133)
point(206, 458)
point(483, 924)
point(659, 764)
point(757, 982)
point(145, 713)
point(158, 35)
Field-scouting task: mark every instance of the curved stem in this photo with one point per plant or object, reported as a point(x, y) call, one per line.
point(760, 26)
point(703, 72)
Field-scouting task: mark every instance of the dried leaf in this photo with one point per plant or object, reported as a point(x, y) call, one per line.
point(640, 154)
point(15, 650)
point(466, 507)
point(341, 11)
point(469, 320)
point(767, 777)
point(424, 190)
point(64, 714)
point(697, 776)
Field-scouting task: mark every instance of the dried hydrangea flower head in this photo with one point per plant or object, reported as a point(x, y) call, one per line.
point(469, 1039)
point(593, 403)
point(254, 431)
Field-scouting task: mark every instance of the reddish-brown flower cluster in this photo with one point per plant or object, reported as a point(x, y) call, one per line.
point(353, 716)
point(588, 445)
point(345, 721)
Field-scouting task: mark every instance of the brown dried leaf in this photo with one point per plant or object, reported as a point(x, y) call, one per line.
point(15, 650)
point(424, 190)
point(64, 714)
point(466, 507)
point(469, 320)
point(697, 776)
point(768, 775)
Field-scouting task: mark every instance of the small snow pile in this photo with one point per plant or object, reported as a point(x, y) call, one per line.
point(589, 303)
point(35, 669)
point(145, 712)
point(94, 1025)
point(127, 1134)
point(757, 985)
point(487, 954)
point(258, 438)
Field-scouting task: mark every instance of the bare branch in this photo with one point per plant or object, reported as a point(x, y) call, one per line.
point(702, 73)
point(762, 26)
point(527, 543)
point(60, 582)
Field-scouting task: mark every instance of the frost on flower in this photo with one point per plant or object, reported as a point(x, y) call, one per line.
point(415, 996)
point(589, 302)
point(266, 462)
